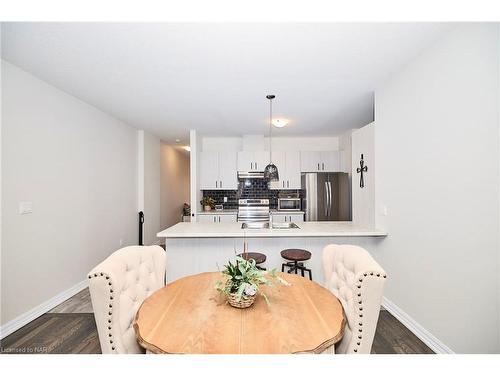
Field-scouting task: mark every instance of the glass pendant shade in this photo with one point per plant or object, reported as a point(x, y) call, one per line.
point(271, 172)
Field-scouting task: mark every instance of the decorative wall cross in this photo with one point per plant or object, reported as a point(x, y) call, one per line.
point(363, 168)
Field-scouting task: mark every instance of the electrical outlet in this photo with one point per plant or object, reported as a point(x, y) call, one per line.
point(225, 199)
point(121, 242)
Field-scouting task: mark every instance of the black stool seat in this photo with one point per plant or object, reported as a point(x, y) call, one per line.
point(299, 255)
point(258, 257)
point(296, 257)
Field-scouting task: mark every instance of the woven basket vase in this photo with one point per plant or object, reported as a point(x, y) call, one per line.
point(243, 303)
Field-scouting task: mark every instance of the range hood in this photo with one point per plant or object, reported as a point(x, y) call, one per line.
point(248, 175)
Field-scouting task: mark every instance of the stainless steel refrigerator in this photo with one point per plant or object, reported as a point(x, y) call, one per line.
point(327, 196)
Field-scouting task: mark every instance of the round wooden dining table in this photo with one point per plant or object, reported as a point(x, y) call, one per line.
point(190, 316)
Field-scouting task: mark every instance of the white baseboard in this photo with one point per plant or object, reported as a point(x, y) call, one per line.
point(428, 338)
point(41, 309)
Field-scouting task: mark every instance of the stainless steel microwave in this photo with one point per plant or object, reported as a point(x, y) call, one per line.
point(289, 204)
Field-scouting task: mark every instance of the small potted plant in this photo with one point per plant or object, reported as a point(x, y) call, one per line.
point(243, 281)
point(208, 203)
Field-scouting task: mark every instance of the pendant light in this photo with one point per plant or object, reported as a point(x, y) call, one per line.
point(271, 171)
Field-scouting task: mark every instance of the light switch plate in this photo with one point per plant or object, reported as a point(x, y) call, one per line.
point(25, 208)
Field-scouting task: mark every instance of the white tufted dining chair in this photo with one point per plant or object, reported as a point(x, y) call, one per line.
point(354, 277)
point(118, 286)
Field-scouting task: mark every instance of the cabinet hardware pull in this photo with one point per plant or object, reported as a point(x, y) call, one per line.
point(323, 165)
point(220, 184)
point(216, 183)
point(318, 166)
point(288, 183)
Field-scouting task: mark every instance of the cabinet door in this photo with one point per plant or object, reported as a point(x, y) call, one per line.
point(279, 159)
point(297, 218)
point(310, 161)
point(292, 170)
point(209, 170)
point(245, 161)
point(261, 159)
point(227, 218)
point(279, 218)
point(205, 218)
point(228, 176)
point(330, 161)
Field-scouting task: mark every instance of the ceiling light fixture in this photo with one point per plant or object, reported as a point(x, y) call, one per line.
point(271, 171)
point(280, 122)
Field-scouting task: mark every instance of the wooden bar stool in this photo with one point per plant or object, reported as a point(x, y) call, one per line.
point(295, 258)
point(258, 257)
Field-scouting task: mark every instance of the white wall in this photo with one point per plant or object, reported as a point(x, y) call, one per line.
point(78, 167)
point(363, 206)
point(152, 172)
point(436, 145)
point(174, 184)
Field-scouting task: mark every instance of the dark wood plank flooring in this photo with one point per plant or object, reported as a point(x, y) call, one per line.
point(77, 333)
point(57, 333)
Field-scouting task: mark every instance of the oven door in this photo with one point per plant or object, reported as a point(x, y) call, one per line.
point(289, 204)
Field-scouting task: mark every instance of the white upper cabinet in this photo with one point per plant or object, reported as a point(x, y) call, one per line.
point(330, 161)
point(245, 161)
point(249, 161)
point(218, 170)
point(320, 161)
point(209, 170)
point(293, 169)
point(310, 161)
point(228, 175)
point(288, 164)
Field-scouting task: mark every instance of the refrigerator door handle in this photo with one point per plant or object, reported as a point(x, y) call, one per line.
point(326, 199)
point(330, 198)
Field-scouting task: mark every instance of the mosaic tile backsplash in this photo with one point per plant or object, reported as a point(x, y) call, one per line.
point(252, 188)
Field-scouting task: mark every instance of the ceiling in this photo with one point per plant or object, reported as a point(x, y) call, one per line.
point(168, 78)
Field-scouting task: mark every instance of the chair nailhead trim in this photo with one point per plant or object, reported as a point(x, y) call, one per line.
point(110, 313)
point(360, 302)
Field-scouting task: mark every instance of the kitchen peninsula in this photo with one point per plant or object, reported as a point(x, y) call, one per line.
point(201, 247)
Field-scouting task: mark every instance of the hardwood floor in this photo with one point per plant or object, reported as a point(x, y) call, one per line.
point(79, 303)
point(70, 328)
point(55, 333)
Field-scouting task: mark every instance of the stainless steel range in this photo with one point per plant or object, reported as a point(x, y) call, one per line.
point(253, 210)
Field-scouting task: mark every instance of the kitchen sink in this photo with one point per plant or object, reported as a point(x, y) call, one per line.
point(285, 226)
point(256, 225)
point(265, 225)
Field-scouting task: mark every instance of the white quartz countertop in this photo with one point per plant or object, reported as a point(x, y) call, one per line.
point(222, 212)
point(306, 229)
